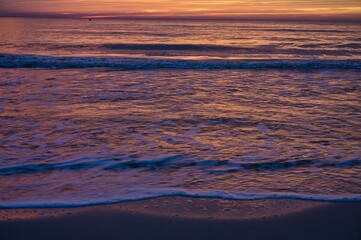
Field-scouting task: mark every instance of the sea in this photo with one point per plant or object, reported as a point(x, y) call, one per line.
point(113, 110)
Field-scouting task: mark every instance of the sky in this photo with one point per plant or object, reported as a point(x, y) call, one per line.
point(181, 8)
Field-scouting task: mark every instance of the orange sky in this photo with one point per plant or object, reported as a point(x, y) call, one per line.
point(180, 8)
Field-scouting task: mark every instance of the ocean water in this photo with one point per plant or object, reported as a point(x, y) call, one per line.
point(116, 110)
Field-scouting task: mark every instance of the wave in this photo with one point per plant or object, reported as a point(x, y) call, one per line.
point(143, 47)
point(170, 47)
point(53, 62)
point(319, 49)
point(143, 194)
point(171, 162)
point(300, 30)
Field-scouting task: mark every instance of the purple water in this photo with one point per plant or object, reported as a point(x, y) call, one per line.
point(117, 110)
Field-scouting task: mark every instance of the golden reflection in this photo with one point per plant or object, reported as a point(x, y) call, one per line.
point(96, 8)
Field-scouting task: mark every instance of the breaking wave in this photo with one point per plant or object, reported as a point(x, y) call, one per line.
point(171, 162)
point(51, 62)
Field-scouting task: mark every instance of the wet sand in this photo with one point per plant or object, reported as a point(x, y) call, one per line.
point(188, 218)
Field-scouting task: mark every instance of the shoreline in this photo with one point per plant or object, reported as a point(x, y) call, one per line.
point(187, 218)
point(179, 206)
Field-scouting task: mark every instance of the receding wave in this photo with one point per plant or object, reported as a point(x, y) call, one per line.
point(143, 194)
point(51, 62)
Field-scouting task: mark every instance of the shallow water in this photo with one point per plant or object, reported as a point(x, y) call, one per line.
point(116, 110)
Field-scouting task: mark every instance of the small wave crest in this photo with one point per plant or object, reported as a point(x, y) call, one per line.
point(51, 62)
point(171, 163)
point(170, 47)
point(143, 194)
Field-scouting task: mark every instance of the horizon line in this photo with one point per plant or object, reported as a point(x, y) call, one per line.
point(248, 17)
